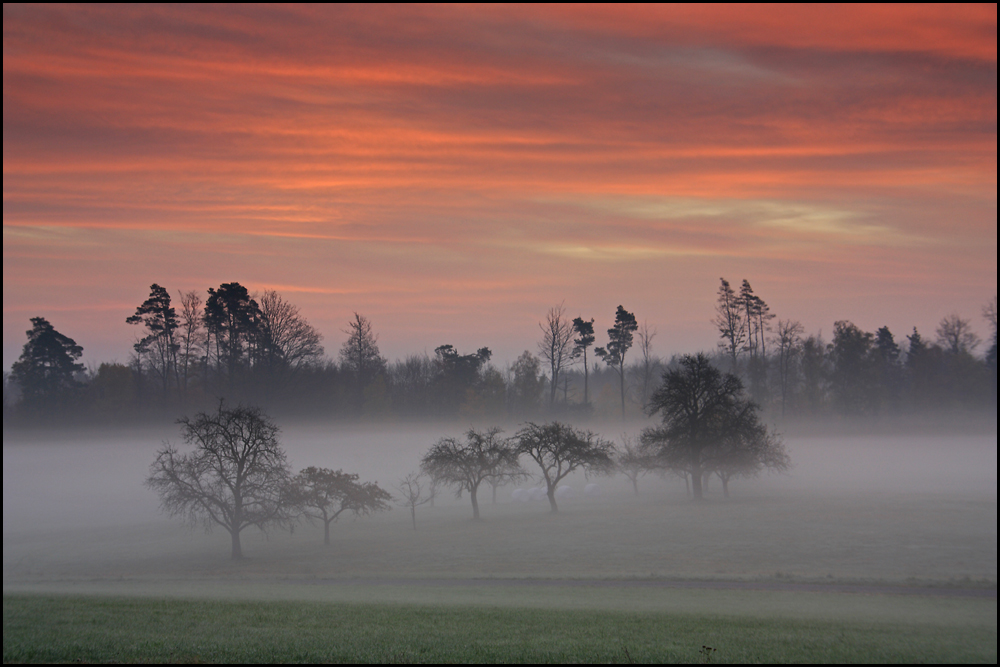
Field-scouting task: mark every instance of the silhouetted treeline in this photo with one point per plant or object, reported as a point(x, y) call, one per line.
point(258, 348)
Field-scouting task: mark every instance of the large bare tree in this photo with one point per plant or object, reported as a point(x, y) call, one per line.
point(236, 477)
point(288, 342)
point(556, 346)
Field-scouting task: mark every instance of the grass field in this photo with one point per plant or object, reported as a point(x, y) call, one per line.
point(111, 629)
point(894, 563)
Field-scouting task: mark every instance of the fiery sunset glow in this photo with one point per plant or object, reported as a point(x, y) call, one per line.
point(453, 172)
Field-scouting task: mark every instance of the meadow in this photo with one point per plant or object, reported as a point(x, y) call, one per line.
point(865, 552)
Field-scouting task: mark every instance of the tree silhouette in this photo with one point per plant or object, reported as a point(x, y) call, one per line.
point(619, 342)
point(158, 345)
point(585, 338)
point(556, 348)
point(48, 362)
point(709, 426)
point(323, 495)
point(237, 476)
point(484, 455)
point(559, 449)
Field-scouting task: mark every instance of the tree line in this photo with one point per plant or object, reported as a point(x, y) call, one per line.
point(260, 348)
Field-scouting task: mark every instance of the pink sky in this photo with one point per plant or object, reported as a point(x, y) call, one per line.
point(453, 172)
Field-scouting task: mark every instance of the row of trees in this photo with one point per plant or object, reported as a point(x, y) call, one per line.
point(858, 372)
point(238, 475)
point(259, 348)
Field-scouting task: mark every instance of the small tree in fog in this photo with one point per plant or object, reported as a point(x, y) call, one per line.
point(237, 476)
point(323, 494)
point(633, 461)
point(484, 455)
point(412, 494)
point(709, 426)
point(559, 449)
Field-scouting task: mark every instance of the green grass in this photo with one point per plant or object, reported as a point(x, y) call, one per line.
point(111, 629)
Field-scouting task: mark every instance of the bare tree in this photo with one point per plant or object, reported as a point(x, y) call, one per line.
point(731, 323)
point(287, 341)
point(788, 340)
point(412, 494)
point(956, 335)
point(633, 461)
point(559, 449)
point(483, 456)
point(556, 346)
point(324, 494)
point(648, 366)
point(237, 476)
point(191, 337)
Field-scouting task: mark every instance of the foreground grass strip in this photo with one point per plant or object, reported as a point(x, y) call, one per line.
point(96, 629)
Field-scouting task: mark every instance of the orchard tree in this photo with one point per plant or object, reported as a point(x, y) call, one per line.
point(49, 361)
point(619, 342)
point(323, 495)
point(237, 476)
point(559, 449)
point(483, 456)
point(709, 426)
point(413, 494)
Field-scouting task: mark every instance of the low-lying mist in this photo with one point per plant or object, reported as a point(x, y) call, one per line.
point(887, 508)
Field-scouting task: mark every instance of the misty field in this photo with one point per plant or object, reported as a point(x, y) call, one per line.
point(871, 549)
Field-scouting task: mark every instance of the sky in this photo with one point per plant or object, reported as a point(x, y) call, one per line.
point(451, 173)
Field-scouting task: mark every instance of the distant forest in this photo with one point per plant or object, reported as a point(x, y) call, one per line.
point(259, 349)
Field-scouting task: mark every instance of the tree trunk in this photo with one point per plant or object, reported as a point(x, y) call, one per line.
point(551, 493)
point(586, 396)
point(725, 486)
point(635, 486)
point(237, 552)
point(696, 484)
point(621, 374)
point(326, 533)
point(475, 504)
point(413, 516)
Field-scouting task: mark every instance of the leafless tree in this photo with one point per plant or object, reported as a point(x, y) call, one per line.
point(956, 335)
point(788, 340)
point(633, 461)
point(648, 365)
point(323, 495)
point(191, 337)
point(556, 346)
point(559, 449)
point(237, 476)
point(484, 455)
point(412, 494)
point(287, 341)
